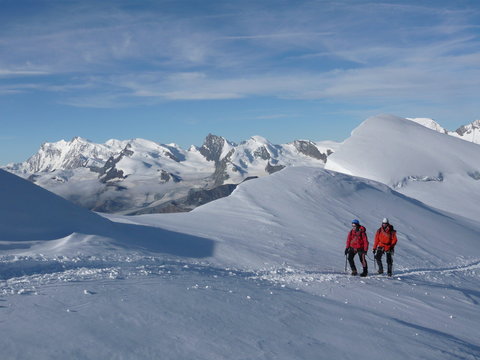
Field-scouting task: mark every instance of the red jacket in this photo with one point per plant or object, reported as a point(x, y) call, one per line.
point(357, 239)
point(386, 238)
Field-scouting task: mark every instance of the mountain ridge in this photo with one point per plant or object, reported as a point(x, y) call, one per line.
point(122, 175)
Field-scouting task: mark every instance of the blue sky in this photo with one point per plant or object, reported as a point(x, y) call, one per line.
point(174, 71)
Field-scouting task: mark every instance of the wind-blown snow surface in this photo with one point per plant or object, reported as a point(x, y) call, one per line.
point(435, 168)
point(272, 287)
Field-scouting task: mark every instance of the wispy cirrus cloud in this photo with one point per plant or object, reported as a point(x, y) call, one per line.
point(108, 55)
point(18, 72)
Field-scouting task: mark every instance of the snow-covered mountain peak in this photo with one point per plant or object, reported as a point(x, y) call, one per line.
point(215, 147)
point(116, 144)
point(429, 123)
point(260, 140)
point(470, 132)
point(143, 143)
point(437, 169)
point(79, 139)
point(65, 155)
point(387, 147)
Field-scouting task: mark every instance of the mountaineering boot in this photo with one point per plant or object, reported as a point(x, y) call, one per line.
point(365, 272)
point(354, 272)
point(380, 271)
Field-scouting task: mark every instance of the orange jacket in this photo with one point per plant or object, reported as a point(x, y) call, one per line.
point(385, 238)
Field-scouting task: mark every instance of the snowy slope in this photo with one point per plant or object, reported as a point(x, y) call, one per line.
point(437, 169)
point(271, 286)
point(29, 213)
point(302, 214)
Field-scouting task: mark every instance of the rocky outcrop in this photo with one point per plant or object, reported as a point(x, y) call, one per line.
point(262, 153)
point(416, 178)
point(308, 148)
point(273, 168)
point(195, 198)
point(475, 175)
point(220, 174)
point(213, 147)
point(165, 177)
point(110, 172)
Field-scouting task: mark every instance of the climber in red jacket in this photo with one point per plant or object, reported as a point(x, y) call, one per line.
point(357, 243)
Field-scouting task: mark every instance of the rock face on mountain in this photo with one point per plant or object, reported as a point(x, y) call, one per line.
point(194, 199)
point(109, 171)
point(308, 148)
point(213, 147)
point(127, 176)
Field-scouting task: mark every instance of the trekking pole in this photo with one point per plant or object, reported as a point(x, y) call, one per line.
point(374, 261)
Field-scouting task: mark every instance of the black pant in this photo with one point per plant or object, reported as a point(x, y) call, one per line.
point(361, 255)
point(378, 258)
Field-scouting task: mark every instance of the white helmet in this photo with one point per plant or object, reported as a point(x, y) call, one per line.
point(385, 221)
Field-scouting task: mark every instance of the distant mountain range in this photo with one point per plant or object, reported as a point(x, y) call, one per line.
point(141, 176)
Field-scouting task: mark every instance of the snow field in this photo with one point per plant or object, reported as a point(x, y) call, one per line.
point(257, 275)
point(179, 311)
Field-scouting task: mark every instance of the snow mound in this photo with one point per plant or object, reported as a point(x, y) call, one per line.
point(435, 168)
point(29, 212)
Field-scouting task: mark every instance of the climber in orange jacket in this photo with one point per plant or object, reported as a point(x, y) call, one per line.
point(385, 241)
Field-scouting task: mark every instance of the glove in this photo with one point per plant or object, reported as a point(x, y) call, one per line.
point(392, 251)
point(374, 251)
point(346, 251)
